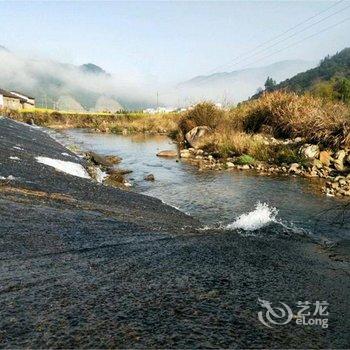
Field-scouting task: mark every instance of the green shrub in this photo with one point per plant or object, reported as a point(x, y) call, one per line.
point(245, 159)
point(287, 155)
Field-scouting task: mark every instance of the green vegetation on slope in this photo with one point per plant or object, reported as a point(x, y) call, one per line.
point(330, 80)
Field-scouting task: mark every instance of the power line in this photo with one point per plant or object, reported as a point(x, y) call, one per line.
point(277, 36)
point(298, 42)
point(293, 44)
point(294, 34)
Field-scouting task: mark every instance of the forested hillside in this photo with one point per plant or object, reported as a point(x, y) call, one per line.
point(330, 79)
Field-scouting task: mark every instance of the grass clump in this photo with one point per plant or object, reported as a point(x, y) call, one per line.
point(289, 115)
point(205, 113)
point(287, 155)
point(245, 159)
point(228, 143)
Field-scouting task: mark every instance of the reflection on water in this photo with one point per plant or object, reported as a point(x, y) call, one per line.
point(215, 197)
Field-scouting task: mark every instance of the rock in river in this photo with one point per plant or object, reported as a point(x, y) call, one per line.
point(118, 171)
point(149, 177)
point(185, 153)
point(104, 160)
point(167, 153)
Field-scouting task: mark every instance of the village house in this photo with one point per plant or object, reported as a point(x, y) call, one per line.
point(14, 100)
point(29, 101)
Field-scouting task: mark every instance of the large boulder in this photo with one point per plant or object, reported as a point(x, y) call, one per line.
point(309, 151)
point(194, 136)
point(295, 168)
point(167, 153)
point(339, 160)
point(325, 158)
point(105, 161)
point(185, 153)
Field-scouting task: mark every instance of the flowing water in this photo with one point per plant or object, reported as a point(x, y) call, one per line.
point(229, 199)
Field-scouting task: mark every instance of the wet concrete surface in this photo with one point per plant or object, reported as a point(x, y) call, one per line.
point(89, 266)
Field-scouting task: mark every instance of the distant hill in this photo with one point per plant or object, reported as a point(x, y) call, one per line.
point(239, 85)
point(106, 104)
point(68, 103)
point(92, 69)
point(60, 85)
point(331, 67)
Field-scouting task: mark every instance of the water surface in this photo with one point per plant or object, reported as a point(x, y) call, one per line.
point(218, 197)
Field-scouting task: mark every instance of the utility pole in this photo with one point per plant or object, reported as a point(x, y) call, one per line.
point(157, 100)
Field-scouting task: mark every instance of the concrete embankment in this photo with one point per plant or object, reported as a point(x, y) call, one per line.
point(86, 265)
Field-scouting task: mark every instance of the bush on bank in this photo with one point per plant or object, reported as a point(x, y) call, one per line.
point(282, 115)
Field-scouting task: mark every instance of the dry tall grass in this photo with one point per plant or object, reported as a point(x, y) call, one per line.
point(279, 114)
point(228, 143)
point(104, 122)
point(288, 115)
point(204, 113)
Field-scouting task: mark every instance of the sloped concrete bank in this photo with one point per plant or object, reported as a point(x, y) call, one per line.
point(89, 266)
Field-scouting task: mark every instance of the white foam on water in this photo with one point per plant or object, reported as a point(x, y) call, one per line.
point(71, 168)
point(14, 158)
point(261, 216)
point(10, 177)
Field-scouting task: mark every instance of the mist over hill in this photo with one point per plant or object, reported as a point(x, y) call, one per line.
point(66, 86)
point(232, 87)
point(91, 88)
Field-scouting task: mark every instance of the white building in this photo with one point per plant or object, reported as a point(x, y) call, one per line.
point(158, 110)
point(28, 102)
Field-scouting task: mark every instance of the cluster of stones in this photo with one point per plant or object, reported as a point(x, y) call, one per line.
point(101, 168)
point(332, 166)
point(340, 185)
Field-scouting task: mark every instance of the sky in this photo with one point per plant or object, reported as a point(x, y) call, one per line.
point(169, 41)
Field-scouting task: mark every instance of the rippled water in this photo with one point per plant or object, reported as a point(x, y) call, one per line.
point(219, 198)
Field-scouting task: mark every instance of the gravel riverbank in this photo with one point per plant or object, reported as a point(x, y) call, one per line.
point(86, 265)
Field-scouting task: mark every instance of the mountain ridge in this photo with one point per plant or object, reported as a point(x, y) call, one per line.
point(238, 71)
point(239, 85)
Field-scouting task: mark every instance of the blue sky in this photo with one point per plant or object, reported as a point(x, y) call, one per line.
point(166, 41)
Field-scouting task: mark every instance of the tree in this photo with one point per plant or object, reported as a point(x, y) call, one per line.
point(259, 90)
point(342, 87)
point(269, 84)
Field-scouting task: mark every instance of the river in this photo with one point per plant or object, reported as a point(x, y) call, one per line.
point(229, 199)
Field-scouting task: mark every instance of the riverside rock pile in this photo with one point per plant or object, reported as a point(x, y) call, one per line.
point(101, 168)
point(325, 164)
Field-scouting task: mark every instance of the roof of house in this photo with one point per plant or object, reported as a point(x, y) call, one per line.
point(6, 93)
point(20, 93)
